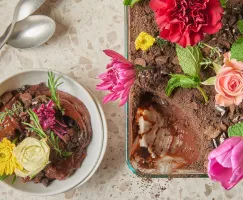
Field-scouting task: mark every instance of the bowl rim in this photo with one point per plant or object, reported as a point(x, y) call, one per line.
point(104, 125)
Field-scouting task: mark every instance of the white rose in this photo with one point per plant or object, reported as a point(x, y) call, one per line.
point(33, 155)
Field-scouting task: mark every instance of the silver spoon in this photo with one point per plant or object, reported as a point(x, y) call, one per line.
point(32, 31)
point(23, 9)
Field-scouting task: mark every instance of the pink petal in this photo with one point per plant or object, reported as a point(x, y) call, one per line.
point(225, 147)
point(113, 54)
point(219, 173)
point(108, 98)
point(223, 101)
point(123, 101)
point(237, 159)
point(103, 86)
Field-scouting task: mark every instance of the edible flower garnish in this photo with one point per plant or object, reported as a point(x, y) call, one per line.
point(118, 79)
point(8, 162)
point(33, 155)
point(36, 127)
point(186, 21)
point(229, 82)
point(53, 85)
point(144, 41)
point(46, 115)
point(226, 162)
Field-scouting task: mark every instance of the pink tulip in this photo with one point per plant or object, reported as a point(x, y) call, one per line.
point(226, 162)
point(118, 79)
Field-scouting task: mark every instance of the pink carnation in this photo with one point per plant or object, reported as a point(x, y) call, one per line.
point(186, 21)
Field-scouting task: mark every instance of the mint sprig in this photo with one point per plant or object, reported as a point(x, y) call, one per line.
point(237, 47)
point(130, 2)
point(180, 80)
point(236, 130)
point(189, 59)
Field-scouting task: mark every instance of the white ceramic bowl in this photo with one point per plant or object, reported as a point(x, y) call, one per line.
point(96, 149)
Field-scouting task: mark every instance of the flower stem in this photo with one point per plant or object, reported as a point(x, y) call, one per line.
point(203, 93)
point(213, 48)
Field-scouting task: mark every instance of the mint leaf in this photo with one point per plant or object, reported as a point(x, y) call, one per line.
point(180, 80)
point(189, 59)
point(237, 50)
point(130, 2)
point(223, 3)
point(240, 25)
point(210, 81)
point(236, 130)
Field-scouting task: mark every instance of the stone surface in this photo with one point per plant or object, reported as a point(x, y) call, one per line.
point(84, 29)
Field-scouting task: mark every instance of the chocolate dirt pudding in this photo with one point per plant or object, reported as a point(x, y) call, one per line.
point(173, 134)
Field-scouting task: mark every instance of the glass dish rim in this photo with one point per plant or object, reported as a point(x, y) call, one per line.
point(126, 28)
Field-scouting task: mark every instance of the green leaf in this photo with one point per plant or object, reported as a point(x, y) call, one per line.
point(223, 3)
point(130, 2)
point(216, 67)
point(236, 130)
point(189, 59)
point(210, 81)
point(180, 80)
point(240, 25)
point(237, 50)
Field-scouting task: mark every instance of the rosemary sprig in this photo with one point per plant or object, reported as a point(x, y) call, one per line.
point(53, 85)
point(55, 144)
point(36, 127)
point(16, 109)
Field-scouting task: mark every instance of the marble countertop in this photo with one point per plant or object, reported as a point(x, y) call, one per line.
point(84, 29)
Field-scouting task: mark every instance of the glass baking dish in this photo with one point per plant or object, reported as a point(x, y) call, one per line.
point(148, 174)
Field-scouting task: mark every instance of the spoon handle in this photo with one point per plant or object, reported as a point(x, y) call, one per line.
point(7, 35)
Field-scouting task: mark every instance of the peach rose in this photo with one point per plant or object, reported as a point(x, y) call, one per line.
point(232, 62)
point(229, 86)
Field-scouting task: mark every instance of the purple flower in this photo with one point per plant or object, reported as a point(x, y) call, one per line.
point(46, 115)
point(226, 162)
point(118, 79)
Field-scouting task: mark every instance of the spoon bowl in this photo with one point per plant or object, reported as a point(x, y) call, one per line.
point(23, 9)
point(32, 32)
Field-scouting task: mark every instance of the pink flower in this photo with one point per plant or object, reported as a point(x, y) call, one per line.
point(186, 21)
point(226, 162)
point(118, 79)
point(232, 62)
point(229, 82)
point(46, 115)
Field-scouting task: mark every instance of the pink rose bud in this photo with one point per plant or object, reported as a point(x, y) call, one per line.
point(226, 162)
